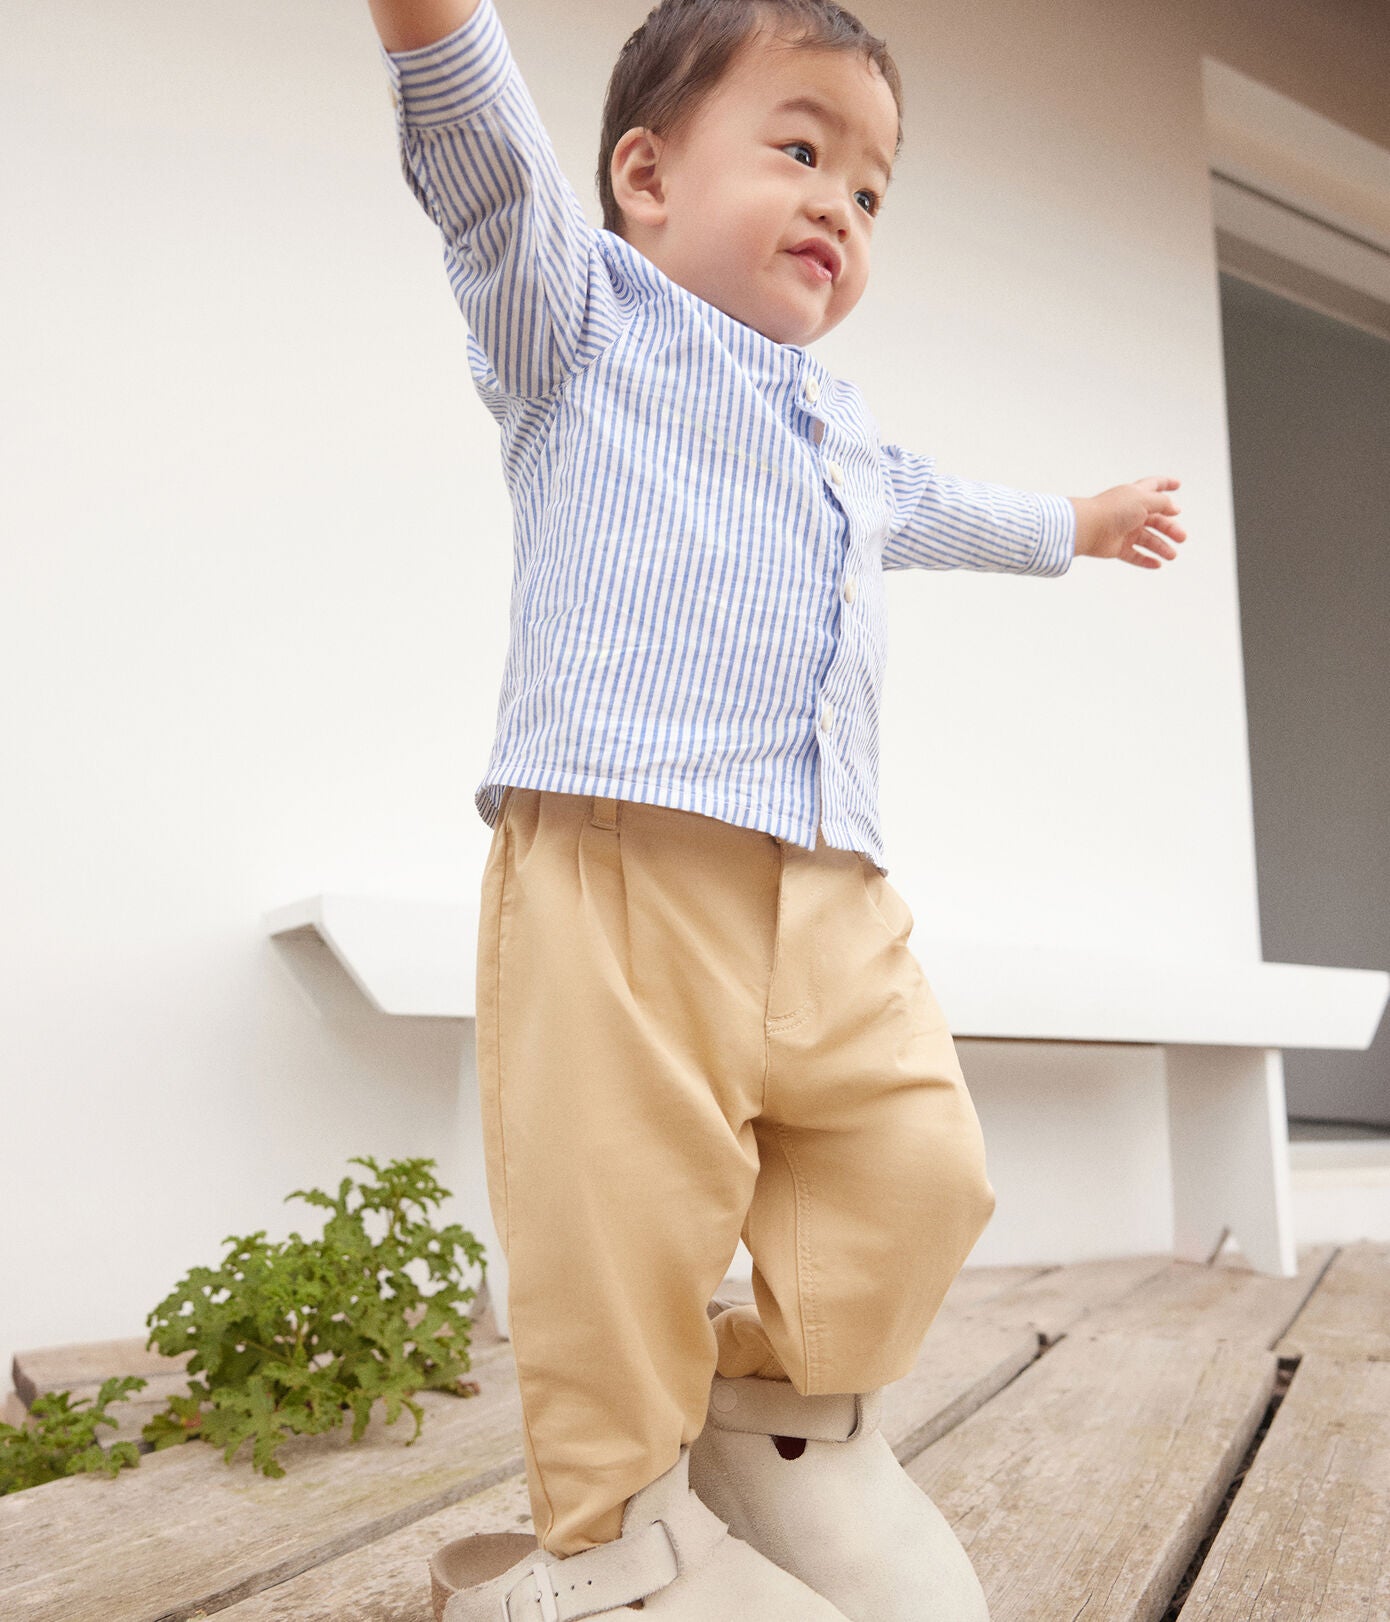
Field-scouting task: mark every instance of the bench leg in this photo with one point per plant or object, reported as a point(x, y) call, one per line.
point(1229, 1140)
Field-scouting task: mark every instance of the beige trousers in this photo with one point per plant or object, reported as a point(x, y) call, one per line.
point(687, 1032)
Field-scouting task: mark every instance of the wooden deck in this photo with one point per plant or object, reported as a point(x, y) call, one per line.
point(1118, 1441)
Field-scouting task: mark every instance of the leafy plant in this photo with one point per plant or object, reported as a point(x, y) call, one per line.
point(289, 1338)
point(61, 1438)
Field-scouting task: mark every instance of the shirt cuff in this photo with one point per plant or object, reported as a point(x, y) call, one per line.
point(1057, 535)
point(456, 77)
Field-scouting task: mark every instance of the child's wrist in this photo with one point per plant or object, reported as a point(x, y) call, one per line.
point(1082, 504)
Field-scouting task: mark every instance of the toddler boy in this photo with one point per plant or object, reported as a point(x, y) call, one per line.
point(698, 1016)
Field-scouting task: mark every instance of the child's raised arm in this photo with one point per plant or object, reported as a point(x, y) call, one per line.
point(523, 263)
point(407, 25)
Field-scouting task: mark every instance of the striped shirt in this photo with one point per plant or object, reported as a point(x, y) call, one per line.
point(702, 516)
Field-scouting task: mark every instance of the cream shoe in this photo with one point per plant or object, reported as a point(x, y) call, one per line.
point(813, 1483)
point(675, 1559)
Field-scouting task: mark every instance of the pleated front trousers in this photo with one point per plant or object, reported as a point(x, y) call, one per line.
point(689, 1032)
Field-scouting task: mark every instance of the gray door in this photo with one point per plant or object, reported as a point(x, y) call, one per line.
point(1309, 416)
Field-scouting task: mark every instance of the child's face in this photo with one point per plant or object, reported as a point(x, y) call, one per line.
point(728, 201)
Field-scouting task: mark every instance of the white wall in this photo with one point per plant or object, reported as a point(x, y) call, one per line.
point(258, 558)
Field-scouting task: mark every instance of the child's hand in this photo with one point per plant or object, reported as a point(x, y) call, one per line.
point(1117, 522)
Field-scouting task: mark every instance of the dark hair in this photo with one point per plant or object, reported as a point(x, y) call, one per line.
point(678, 56)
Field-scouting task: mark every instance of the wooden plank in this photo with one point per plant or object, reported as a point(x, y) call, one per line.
point(964, 1361)
point(1059, 1298)
point(388, 1581)
point(984, 1336)
point(1084, 1488)
point(975, 1285)
point(1308, 1535)
point(1348, 1314)
point(1227, 1301)
point(81, 1368)
point(186, 1532)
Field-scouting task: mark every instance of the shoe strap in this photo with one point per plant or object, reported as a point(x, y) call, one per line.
point(614, 1574)
point(777, 1408)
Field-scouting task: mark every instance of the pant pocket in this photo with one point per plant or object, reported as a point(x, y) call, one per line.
point(886, 904)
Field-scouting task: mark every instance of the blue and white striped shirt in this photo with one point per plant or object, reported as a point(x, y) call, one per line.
point(702, 516)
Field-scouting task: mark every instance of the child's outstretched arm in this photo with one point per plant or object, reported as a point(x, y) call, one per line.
point(943, 522)
point(522, 260)
point(409, 25)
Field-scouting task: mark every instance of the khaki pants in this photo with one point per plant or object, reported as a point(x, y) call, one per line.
point(687, 1032)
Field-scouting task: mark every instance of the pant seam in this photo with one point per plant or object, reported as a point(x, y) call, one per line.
point(545, 1491)
point(510, 1245)
point(805, 1289)
point(769, 1018)
point(497, 1026)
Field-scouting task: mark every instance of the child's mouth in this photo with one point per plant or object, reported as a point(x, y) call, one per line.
point(817, 269)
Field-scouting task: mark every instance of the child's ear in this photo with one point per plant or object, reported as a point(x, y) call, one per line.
point(636, 173)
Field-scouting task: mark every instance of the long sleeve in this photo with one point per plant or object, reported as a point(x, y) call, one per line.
point(943, 522)
point(520, 255)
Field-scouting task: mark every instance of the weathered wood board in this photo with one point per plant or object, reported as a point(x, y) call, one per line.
point(1228, 1301)
point(1349, 1316)
point(988, 1332)
point(388, 1581)
point(185, 1532)
point(964, 1361)
point(81, 1369)
point(1084, 1488)
point(974, 1285)
point(1060, 1298)
point(1308, 1535)
point(974, 1350)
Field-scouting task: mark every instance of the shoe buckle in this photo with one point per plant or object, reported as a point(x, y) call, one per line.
point(545, 1583)
point(545, 1590)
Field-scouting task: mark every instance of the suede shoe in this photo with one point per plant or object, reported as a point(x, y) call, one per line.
point(813, 1484)
point(674, 1559)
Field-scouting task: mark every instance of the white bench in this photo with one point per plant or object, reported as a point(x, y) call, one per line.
point(1222, 1026)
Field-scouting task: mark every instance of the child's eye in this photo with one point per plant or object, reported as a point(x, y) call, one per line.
point(874, 200)
point(801, 146)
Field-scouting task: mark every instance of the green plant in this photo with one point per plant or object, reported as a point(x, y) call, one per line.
point(60, 1438)
point(289, 1338)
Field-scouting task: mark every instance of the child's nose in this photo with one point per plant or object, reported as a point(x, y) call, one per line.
point(835, 212)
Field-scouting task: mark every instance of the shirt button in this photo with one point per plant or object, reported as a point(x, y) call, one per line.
point(812, 390)
point(833, 469)
point(850, 588)
point(827, 718)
